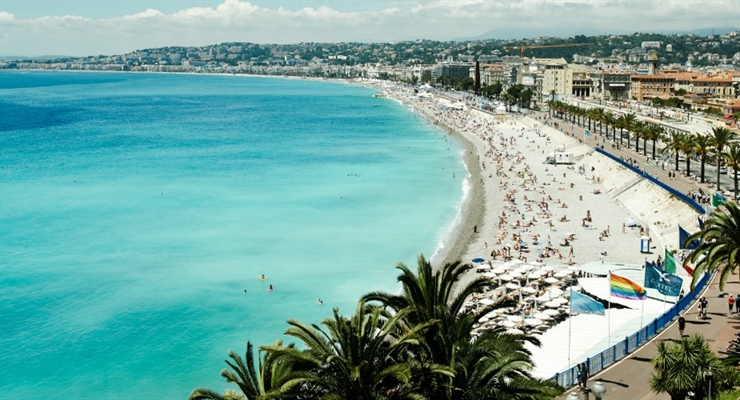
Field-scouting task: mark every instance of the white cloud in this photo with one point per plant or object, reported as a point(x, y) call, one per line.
point(237, 20)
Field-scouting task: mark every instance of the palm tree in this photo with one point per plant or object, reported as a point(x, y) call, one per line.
point(679, 368)
point(721, 137)
point(688, 146)
point(673, 145)
point(638, 128)
point(271, 379)
point(628, 122)
point(654, 133)
point(609, 120)
point(732, 157)
point(720, 240)
point(360, 357)
point(703, 145)
point(438, 296)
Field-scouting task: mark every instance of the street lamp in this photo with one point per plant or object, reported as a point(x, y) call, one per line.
point(573, 396)
point(598, 389)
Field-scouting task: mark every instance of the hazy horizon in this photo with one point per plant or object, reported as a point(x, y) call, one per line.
point(113, 27)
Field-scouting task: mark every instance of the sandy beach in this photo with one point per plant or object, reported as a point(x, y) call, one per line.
point(523, 213)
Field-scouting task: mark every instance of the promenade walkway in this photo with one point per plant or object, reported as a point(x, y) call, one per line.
point(629, 378)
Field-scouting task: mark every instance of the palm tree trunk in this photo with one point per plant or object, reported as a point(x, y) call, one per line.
point(718, 161)
point(688, 165)
point(676, 161)
point(703, 159)
point(654, 144)
point(637, 145)
point(644, 147)
point(734, 195)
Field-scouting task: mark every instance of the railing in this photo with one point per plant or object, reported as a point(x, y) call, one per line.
point(688, 200)
point(618, 351)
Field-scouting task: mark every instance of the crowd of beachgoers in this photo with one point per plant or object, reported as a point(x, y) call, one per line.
point(530, 224)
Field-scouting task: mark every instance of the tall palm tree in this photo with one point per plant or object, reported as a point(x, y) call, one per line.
point(638, 128)
point(628, 121)
point(688, 146)
point(610, 121)
point(720, 240)
point(653, 133)
point(703, 146)
point(272, 378)
point(679, 368)
point(732, 157)
point(673, 145)
point(721, 137)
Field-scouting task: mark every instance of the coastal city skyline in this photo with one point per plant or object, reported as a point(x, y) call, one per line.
point(79, 28)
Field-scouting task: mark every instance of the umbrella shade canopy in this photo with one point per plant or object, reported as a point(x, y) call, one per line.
point(532, 322)
point(478, 260)
point(529, 290)
point(547, 268)
point(512, 286)
point(563, 274)
point(534, 276)
point(508, 324)
point(554, 292)
point(551, 280)
point(500, 269)
point(574, 267)
point(630, 222)
point(514, 318)
point(552, 304)
point(551, 313)
point(520, 271)
point(542, 316)
point(561, 300)
point(484, 319)
point(514, 332)
point(506, 277)
point(517, 261)
point(489, 274)
point(483, 267)
point(528, 267)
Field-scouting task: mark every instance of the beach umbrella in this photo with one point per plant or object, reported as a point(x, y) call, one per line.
point(561, 300)
point(528, 267)
point(542, 316)
point(630, 222)
point(500, 270)
point(484, 319)
point(563, 273)
point(514, 332)
point(532, 322)
point(551, 313)
point(489, 274)
point(478, 260)
point(529, 290)
point(520, 271)
point(483, 267)
point(552, 304)
point(505, 277)
point(514, 318)
point(551, 280)
point(508, 324)
point(574, 267)
point(547, 268)
point(512, 286)
point(517, 261)
point(534, 276)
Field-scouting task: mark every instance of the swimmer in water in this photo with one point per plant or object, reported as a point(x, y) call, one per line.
point(270, 288)
point(319, 302)
point(263, 277)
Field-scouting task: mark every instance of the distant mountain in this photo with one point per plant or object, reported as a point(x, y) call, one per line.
point(529, 33)
point(50, 57)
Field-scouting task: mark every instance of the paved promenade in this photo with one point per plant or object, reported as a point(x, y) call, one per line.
point(629, 378)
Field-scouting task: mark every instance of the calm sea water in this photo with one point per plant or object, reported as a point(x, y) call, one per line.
point(137, 209)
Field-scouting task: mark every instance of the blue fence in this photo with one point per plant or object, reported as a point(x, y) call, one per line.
point(688, 200)
point(618, 351)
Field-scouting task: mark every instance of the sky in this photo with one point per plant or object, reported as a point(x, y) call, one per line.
point(94, 27)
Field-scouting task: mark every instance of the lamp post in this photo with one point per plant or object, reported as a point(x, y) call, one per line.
point(573, 396)
point(598, 389)
point(708, 377)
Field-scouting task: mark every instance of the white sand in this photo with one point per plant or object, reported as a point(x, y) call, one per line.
point(505, 154)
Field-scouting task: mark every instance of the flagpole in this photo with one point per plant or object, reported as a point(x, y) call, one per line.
point(570, 323)
point(609, 320)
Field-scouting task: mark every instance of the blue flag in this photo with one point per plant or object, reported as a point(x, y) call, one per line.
point(582, 304)
point(683, 235)
point(667, 284)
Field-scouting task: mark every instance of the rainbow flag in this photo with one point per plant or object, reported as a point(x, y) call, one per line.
point(625, 288)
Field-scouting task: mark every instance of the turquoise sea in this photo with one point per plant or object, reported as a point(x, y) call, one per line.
point(136, 209)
